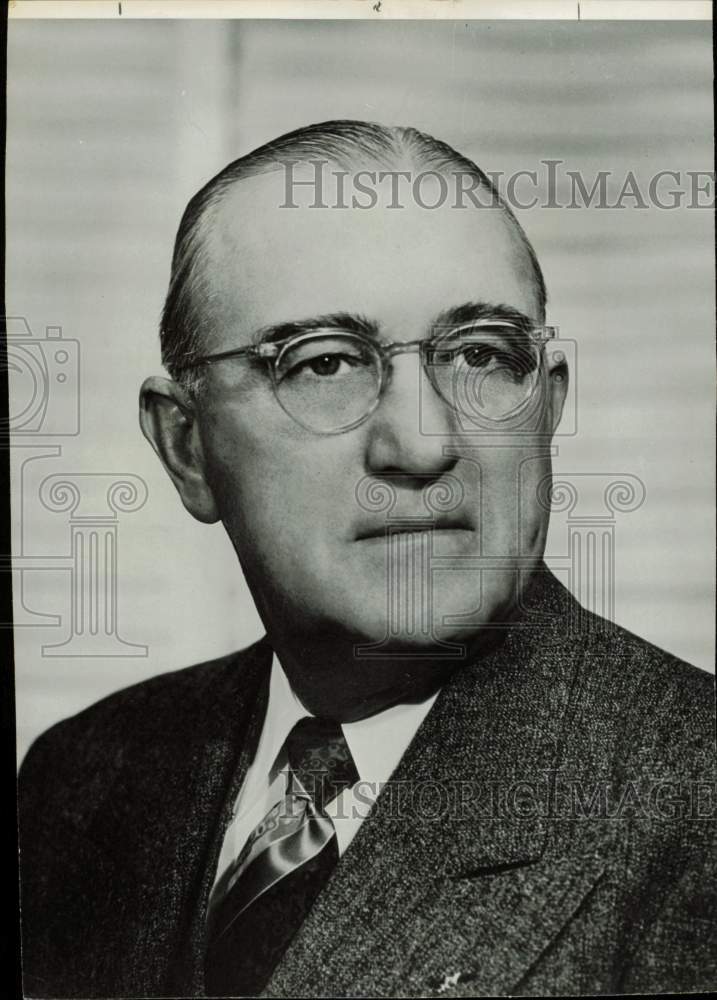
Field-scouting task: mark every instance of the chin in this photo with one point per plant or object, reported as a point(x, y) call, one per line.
point(447, 625)
point(414, 611)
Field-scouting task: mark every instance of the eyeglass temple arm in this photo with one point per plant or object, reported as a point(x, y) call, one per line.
point(251, 350)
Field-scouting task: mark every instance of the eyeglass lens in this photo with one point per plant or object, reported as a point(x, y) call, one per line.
point(329, 382)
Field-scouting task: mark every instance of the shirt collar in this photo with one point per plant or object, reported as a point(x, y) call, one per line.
point(376, 743)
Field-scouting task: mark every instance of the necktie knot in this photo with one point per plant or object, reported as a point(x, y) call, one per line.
point(320, 758)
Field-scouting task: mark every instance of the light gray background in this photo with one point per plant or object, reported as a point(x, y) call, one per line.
point(113, 125)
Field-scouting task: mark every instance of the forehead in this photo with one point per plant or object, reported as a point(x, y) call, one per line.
point(400, 267)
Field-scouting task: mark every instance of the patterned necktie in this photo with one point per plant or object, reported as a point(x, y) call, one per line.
point(280, 871)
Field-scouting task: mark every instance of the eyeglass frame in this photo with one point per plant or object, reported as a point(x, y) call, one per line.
point(272, 351)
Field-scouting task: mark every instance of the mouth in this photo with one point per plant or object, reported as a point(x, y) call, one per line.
point(444, 527)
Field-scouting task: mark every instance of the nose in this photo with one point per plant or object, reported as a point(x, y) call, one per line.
point(408, 431)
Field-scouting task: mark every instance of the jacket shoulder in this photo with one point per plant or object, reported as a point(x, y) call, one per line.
point(637, 712)
point(643, 680)
point(611, 669)
point(85, 748)
point(629, 703)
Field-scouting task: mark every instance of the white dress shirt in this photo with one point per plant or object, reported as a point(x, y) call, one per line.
point(376, 744)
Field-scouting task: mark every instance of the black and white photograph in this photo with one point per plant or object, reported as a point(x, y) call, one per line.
point(361, 448)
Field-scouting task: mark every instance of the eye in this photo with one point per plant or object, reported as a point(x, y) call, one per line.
point(323, 359)
point(479, 355)
point(328, 364)
point(323, 366)
point(488, 357)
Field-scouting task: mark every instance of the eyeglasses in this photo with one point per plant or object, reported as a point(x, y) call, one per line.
point(330, 380)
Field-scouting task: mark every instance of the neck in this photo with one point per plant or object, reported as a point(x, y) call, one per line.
point(332, 679)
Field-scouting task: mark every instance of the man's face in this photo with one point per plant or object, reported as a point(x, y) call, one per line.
point(299, 506)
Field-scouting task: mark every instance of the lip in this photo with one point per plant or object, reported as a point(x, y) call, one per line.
point(381, 534)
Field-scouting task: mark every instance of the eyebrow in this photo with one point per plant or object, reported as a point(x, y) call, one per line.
point(472, 312)
point(467, 312)
point(350, 322)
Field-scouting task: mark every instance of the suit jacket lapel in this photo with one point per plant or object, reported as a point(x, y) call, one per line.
point(456, 842)
point(167, 811)
point(224, 750)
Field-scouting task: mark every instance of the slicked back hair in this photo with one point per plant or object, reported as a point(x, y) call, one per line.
point(343, 143)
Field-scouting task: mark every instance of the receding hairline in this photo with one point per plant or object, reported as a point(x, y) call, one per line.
point(339, 144)
point(403, 157)
point(523, 255)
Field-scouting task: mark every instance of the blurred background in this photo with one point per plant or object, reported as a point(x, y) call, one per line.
point(113, 125)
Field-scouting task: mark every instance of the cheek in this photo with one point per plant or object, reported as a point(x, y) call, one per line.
point(513, 517)
point(534, 492)
point(280, 491)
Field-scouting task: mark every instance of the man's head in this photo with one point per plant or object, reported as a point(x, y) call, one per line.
point(330, 528)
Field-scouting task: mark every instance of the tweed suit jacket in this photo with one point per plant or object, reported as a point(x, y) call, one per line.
point(550, 830)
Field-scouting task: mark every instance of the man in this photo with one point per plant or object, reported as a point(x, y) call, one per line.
point(437, 775)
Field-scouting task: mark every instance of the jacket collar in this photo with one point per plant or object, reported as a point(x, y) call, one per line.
point(463, 805)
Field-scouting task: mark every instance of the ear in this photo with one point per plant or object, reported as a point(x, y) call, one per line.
point(167, 417)
point(558, 374)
